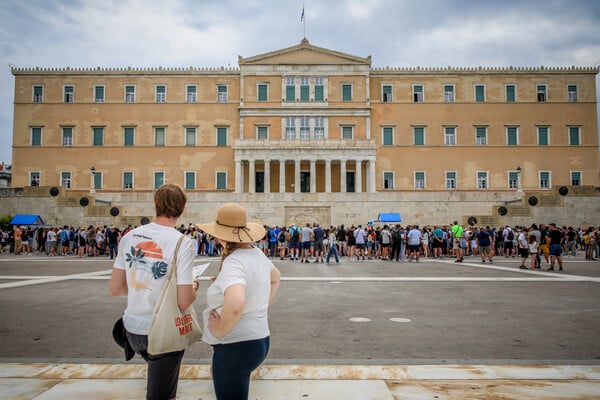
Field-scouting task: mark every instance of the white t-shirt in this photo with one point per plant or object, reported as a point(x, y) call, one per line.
point(145, 254)
point(414, 237)
point(251, 268)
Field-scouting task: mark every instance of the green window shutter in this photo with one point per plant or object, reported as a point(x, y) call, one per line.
point(347, 132)
point(543, 136)
point(574, 136)
point(221, 180)
point(304, 90)
point(98, 136)
point(417, 93)
point(127, 180)
point(346, 92)
point(510, 93)
point(290, 93)
point(159, 136)
point(98, 180)
point(190, 180)
point(387, 93)
point(419, 136)
point(128, 140)
point(67, 136)
point(190, 136)
point(262, 132)
point(221, 136)
point(575, 178)
point(99, 94)
point(479, 93)
point(38, 92)
point(511, 139)
point(319, 93)
point(262, 92)
point(388, 180)
point(36, 136)
point(159, 179)
point(388, 136)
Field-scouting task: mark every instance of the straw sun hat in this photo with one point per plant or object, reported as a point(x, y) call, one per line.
point(231, 225)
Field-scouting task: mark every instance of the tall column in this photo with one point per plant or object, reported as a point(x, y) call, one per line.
point(343, 176)
point(267, 176)
point(327, 176)
point(358, 176)
point(281, 176)
point(297, 176)
point(313, 176)
point(372, 179)
point(251, 176)
point(239, 177)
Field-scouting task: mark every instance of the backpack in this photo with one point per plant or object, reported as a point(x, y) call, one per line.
point(396, 236)
point(511, 235)
point(281, 237)
point(296, 235)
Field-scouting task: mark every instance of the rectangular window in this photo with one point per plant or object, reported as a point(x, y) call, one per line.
point(543, 136)
point(450, 136)
point(419, 136)
point(482, 180)
point(221, 178)
point(347, 132)
point(128, 136)
point(159, 179)
point(35, 178)
point(346, 92)
point(190, 136)
point(99, 94)
point(512, 136)
point(575, 178)
point(290, 128)
point(544, 180)
point(98, 136)
point(290, 89)
point(480, 93)
point(420, 180)
point(481, 136)
point(511, 93)
point(572, 93)
point(304, 89)
point(388, 180)
point(574, 136)
point(319, 128)
point(221, 93)
point(97, 177)
point(513, 180)
point(67, 136)
point(319, 89)
point(38, 94)
point(160, 135)
point(448, 93)
point(69, 94)
point(262, 132)
point(127, 180)
point(129, 94)
point(263, 90)
point(221, 136)
point(386, 93)
point(304, 128)
point(541, 93)
point(36, 136)
point(161, 94)
point(450, 180)
point(190, 93)
point(190, 180)
point(65, 180)
point(417, 93)
point(388, 136)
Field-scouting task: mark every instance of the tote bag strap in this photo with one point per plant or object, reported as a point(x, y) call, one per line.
point(171, 274)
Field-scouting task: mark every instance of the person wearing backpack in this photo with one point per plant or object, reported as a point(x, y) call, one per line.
point(294, 243)
point(282, 240)
point(508, 235)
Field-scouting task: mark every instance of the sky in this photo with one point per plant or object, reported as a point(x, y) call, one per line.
point(213, 33)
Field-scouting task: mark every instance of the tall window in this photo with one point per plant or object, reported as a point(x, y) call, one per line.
point(161, 94)
point(221, 136)
point(304, 128)
point(388, 136)
point(450, 136)
point(222, 93)
point(417, 93)
point(190, 93)
point(263, 90)
point(512, 136)
point(67, 136)
point(448, 93)
point(290, 128)
point(347, 132)
point(190, 180)
point(129, 94)
point(481, 136)
point(221, 180)
point(482, 180)
point(513, 180)
point(575, 178)
point(38, 94)
point(99, 94)
point(65, 180)
point(572, 93)
point(418, 136)
point(386, 93)
point(319, 128)
point(36, 136)
point(128, 136)
point(262, 132)
point(127, 180)
point(346, 92)
point(35, 178)
point(388, 180)
point(450, 180)
point(541, 93)
point(98, 136)
point(480, 93)
point(544, 179)
point(97, 178)
point(304, 88)
point(419, 180)
point(190, 136)
point(574, 136)
point(69, 94)
point(511, 93)
point(160, 135)
point(319, 88)
point(290, 89)
point(159, 179)
point(543, 136)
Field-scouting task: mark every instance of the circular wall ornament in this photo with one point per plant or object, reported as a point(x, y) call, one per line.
point(502, 210)
point(54, 191)
point(84, 201)
point(472, 221)
point(532, 201)
point(114, 211)
point(563, 190)
point(144, 221)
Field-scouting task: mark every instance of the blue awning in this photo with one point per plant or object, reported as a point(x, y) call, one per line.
point(389, 217)
point(27, 219)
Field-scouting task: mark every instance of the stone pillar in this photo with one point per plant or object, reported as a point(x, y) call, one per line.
point(327, 176)
point(267, 176)
point(239, 177)
point(281, 176)
point(313, 176)
point(358, 176)
point(251, 176)
point(372, 182)
point(297, 176)
point(343, 176)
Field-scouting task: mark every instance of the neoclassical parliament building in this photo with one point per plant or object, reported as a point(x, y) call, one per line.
point(307, 134)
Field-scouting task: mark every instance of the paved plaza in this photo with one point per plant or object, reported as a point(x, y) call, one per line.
point(356, 330)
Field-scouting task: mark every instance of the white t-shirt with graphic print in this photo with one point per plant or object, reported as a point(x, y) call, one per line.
point(146, 253)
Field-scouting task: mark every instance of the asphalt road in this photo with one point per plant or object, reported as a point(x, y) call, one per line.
point(57, 309)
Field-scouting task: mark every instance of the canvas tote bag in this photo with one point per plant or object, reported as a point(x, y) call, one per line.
point(172, 329)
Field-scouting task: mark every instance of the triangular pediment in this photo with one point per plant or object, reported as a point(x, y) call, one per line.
point(304, 53)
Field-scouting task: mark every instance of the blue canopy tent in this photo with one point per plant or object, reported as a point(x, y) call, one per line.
point(389, 217)
point(27, 219)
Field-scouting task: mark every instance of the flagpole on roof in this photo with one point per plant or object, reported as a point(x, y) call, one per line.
point(303, 20)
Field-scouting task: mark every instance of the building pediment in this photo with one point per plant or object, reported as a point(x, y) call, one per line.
point(305, 54)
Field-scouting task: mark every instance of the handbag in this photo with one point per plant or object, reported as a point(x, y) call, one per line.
point(172, 329)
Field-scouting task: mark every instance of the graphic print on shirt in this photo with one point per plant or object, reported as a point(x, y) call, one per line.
point(146, 260)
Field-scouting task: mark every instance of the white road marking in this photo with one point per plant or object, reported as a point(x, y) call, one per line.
point(401, 320)
point(47, 279)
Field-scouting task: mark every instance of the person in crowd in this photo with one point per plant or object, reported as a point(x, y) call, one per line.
point(414, 243)
point(555, 241)
point(533, 250)
point(333, 248)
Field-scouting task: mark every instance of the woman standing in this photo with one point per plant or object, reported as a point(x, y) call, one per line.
point(236, 320)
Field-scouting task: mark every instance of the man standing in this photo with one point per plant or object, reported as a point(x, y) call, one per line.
point(555, 240)
point(457, 234)
point(437, 237)
point(306, 235)
point(414, 243)
point(359, 236)
point(319, 234)
point(294, 244)
point(484, 243)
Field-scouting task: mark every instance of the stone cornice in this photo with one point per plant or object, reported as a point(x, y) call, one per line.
point(482, 70)
point(138, 71)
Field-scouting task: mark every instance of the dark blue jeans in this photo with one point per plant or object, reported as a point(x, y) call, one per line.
point(232, 365)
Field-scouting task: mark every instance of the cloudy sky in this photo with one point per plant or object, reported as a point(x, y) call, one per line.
point(212, 33)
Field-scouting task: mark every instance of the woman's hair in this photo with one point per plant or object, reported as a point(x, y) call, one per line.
point(531, 238)
point(170, 200)
point(228, 248)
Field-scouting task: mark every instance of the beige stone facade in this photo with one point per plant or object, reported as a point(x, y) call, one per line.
point(310, 128)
